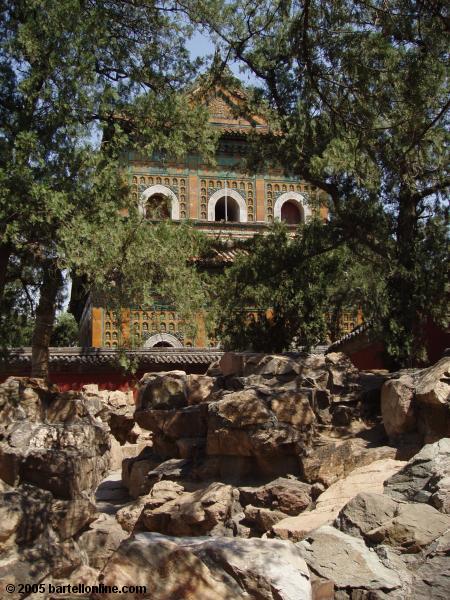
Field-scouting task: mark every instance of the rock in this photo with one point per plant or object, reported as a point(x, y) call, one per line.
point(173, 424)
point(116, 408)
point(294, 408)
point(262, 519)
point(205, 511)
point(440, 498)
point(164, 568)
point(343, 376)
point(432, 575)
point(397, 406)
point(135, 471)
point(433, 384)
point(101, 540)
point(413, 527)
point(162, 492)
point(160, 391)
point(365, 512)
point(199, 388)
point(421, 477)
point(369, 478)
point(287, 495)
point(346, 561)
point(433, 401)
point(210, 569)
point(243, 424)
point(334, 460)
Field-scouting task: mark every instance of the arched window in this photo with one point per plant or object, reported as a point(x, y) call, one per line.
point(159, 202)
point(290, 213)
point(227, 205)
point(226, 209)
point(292, 208)
point(157, 207)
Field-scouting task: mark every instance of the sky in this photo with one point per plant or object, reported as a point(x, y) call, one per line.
point(201, 45)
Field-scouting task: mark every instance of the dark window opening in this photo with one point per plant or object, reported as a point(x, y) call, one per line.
point(157, 207)
point(228, 212)
point(162, 345)
point(290, 213)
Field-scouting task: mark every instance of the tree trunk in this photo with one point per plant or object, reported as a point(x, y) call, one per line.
point(5, 253)
point(45, 319)
point(78, 296)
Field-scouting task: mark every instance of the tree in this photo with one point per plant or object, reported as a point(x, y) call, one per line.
point(65, 332)
point(357, 93)
point(74, 71)
point(289, 291)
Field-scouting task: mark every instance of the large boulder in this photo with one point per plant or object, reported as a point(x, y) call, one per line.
point(287, 495)
point(252, 423)
point(50, 440)
point(53, 454)
point(160, 391)
point(397, 406)
point(433, 401)
point(116, 408)
point(161, 492)
point(210, 569)
point(347, 561)
point(413, 527)
point(333, 460)
point(101, 540)
point(425, 478)
point(205, 511)
point(364, 479)
point(365, 512)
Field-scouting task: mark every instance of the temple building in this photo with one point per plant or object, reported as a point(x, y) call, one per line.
point(225, 202)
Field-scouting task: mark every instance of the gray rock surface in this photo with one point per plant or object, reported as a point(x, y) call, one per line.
point(365, 512)
point(211, 568)
point(346, 561)
point(424, 475)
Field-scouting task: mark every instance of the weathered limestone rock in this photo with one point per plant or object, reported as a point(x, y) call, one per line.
point(54, 450)
point(346, 561)
point(199, 388)
point(424, 476)
point(413, 527)
point(115, 408)
point(262, 519)
point(161, 492)
point(433, 401)
point(165, 568)
point(206, 511)
point(135, 471)
point(244, 424)
point(160, 391)
point(343, 379)
point(369, 478)
point(335, 460)
point(287, 495)
point(101, 540)
point(210, 569)
point(433, 384)
point(50, 440)
point(365, 512)
point(397, 406)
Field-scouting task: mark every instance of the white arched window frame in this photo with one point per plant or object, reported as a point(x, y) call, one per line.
point(161, 190)
point(162, 337)
point(230, 193)
point(297, 199)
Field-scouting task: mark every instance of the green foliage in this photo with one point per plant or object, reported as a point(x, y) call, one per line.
point(65, 332)
point(283, 291)
point(74, 73)
point(359, 93)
